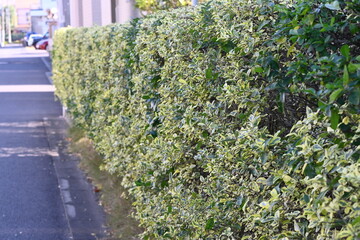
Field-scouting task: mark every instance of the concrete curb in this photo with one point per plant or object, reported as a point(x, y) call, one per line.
point(47, 63)
point(84, 215)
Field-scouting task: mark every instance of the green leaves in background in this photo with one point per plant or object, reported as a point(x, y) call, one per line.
point(335, 117)
point(354, 96)
point(345, 51)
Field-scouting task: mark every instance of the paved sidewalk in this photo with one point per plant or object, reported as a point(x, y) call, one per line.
point(85, 216)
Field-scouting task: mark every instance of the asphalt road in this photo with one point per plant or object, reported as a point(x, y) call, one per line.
point(31, 206)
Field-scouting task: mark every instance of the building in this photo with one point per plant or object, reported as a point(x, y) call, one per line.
point(86, 13)
point(41, 18)
point(48, 4)
point(38, 18)
point(30, 15)
point(23, 16)
point(63, 14)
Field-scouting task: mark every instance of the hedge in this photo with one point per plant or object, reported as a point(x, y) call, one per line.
point(231, 120)
point(153, 6)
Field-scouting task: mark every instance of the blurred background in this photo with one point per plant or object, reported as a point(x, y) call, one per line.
point(21, 18)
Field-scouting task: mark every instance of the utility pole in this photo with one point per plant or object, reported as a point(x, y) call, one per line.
point(0, 25)
point(8, 18)
point(2, 35)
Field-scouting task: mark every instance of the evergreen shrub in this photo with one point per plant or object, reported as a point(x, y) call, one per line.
point(234, 119)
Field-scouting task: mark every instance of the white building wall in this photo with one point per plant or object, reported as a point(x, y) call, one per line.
point(126, 11)
point(87, 13)
point(105, 12)
point(74, 13)
point(63, 13)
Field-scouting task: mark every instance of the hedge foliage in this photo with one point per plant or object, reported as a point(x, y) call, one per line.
point(151, 6)
point(156, 5)
point(232, 120)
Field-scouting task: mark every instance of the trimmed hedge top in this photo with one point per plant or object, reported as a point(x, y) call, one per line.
point(230, 120)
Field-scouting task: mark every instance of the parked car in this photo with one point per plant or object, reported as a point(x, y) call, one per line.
point(34, 38)
point(26, 38)
point(42, 44)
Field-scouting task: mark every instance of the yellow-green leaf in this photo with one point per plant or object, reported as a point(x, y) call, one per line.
point(334, 95)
